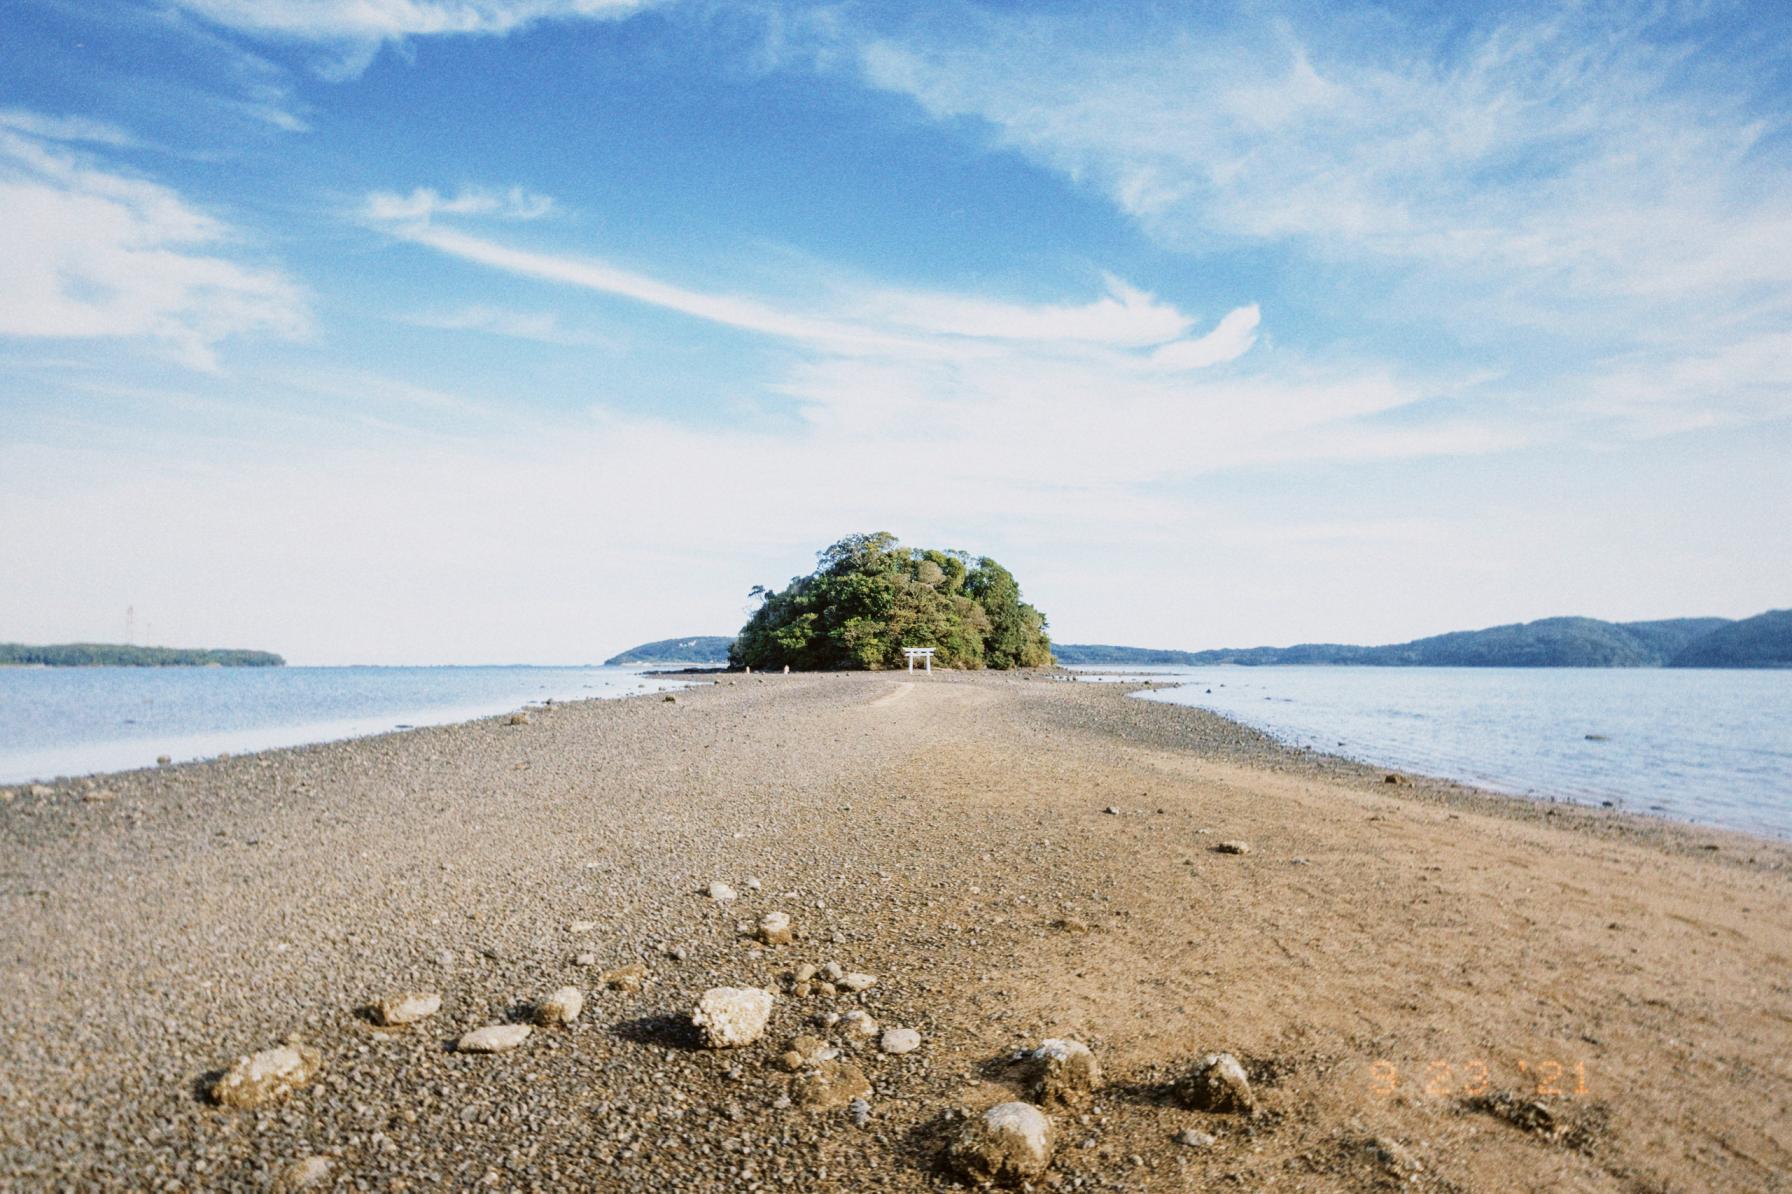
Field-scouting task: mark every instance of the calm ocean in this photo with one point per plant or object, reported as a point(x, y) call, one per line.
point(1713, 747)
point(74, 721)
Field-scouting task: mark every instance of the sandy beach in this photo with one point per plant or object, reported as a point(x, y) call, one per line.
point(1427, 986)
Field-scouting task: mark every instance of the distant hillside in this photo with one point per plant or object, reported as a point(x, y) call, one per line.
point(1097, 654)
point(698, 648)
point(1764, 640)
point(122, 655)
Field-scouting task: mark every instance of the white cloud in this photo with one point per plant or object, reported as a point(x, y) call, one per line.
point(64, 128)
point(543, 327)
point(331, 20)
point(96, 253)
point(1581, 181)
point(423, 203)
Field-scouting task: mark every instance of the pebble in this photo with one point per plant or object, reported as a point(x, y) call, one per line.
point(517, 719)
point(1065, 1072)
point(1112, 810)
point(857, 1023)
point(1009, 1144)
point(562, 1007)
point(721, 893)
point(860, 1111)
point(493, 1038)
point(407, 1008)
point(1217, 1083)
point(585, 959)
point(831, 1084)
point(833, 972)
point(303, 1174)
point(263, 1077)
point(581, 926)
point(624, 978)
point(898, 1041)
point(774, 929)
point(729, 1017)
point(1194, 1138)
point(1232, 848)
point(857, 982)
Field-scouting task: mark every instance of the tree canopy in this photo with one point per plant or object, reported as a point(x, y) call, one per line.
point(870, 597)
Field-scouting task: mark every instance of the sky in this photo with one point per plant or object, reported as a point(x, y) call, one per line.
point(485, 331)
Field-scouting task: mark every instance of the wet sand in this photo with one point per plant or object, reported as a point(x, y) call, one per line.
point(1429, 986)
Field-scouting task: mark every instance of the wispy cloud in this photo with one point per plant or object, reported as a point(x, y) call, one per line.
point(65, 128)
point(93, 252)
point(1579, 181)
point(542, 327)
point(424, 203)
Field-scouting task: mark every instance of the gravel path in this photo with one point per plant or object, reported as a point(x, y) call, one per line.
point(1426, 985)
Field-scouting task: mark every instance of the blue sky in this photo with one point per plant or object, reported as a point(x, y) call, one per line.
point(521, 330)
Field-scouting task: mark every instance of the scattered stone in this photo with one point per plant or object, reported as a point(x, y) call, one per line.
point(729, 1017)
point(753, 885)
point(1391, 1155)
point(586, 959)
point(493, 1038)
point(774, 929)
point(581, 927)
point(517, 719)
point(1112, 810)
point(1396, 779)
point(163, 761)
point(562, 1007)
point(830, 1084)
point(99, 796)
point(261, 1078)
point(857, 982)
point(1217, 1083)
point(898, 1041)
point(407, 1008)
point(302, 1175)
point(822, 988)
point(1070, 924)
point(860, 1111)
point(669, 699)
point(1193, 1138)
point(833, 972)
point(1009, 1144)
point(42, 791)
point(721, 893)
point(805, 972)
point(1232, 848)
point(857, 1023)
point(1065, 1073)
point(625, 978)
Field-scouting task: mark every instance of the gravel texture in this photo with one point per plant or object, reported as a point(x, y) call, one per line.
point(1395, 966)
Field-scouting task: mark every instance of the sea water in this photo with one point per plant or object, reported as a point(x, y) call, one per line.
point(75, 721)
point(1713, 747)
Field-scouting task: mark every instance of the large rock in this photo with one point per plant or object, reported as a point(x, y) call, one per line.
point(562, 1007)
point(493, 1038)
point(1009, 1144)
point(407, 1008)
point(263, 1077)
point(729, 1017)
point(1217, 1083)
point(1065, 1073)
point(831, 1084)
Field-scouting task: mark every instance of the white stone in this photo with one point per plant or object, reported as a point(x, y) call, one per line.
point(858, 982)
point(774, 929)
point(857, 1023)
point(732, 1016)
point(302, 1175)
point(900, 1040)
point(721, 893)
point(562, 1007)
point(408, 1008)
point(833, 972)
point(581, 926)
point(493, 1038)
point(263, 1077)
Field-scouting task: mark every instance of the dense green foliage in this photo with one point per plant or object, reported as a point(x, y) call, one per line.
point(1764, 640)
point(121, 655)
point(694, 648)
point(871, 597)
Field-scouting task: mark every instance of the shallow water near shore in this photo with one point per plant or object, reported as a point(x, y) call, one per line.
point(76, 721)
point(1713, 747)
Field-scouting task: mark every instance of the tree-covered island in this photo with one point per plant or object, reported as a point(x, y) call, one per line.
point(870, 597)
point(127, 655)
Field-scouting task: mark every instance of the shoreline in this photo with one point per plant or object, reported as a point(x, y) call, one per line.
point(1013, 860)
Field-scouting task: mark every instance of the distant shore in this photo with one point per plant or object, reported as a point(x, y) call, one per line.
point(1394, 963)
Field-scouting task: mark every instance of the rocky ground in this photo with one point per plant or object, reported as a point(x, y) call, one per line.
point(1422, 985)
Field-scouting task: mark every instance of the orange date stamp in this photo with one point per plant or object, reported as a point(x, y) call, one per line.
point(1471, 1077)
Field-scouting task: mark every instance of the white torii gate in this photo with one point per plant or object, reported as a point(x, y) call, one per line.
point(924, 654)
